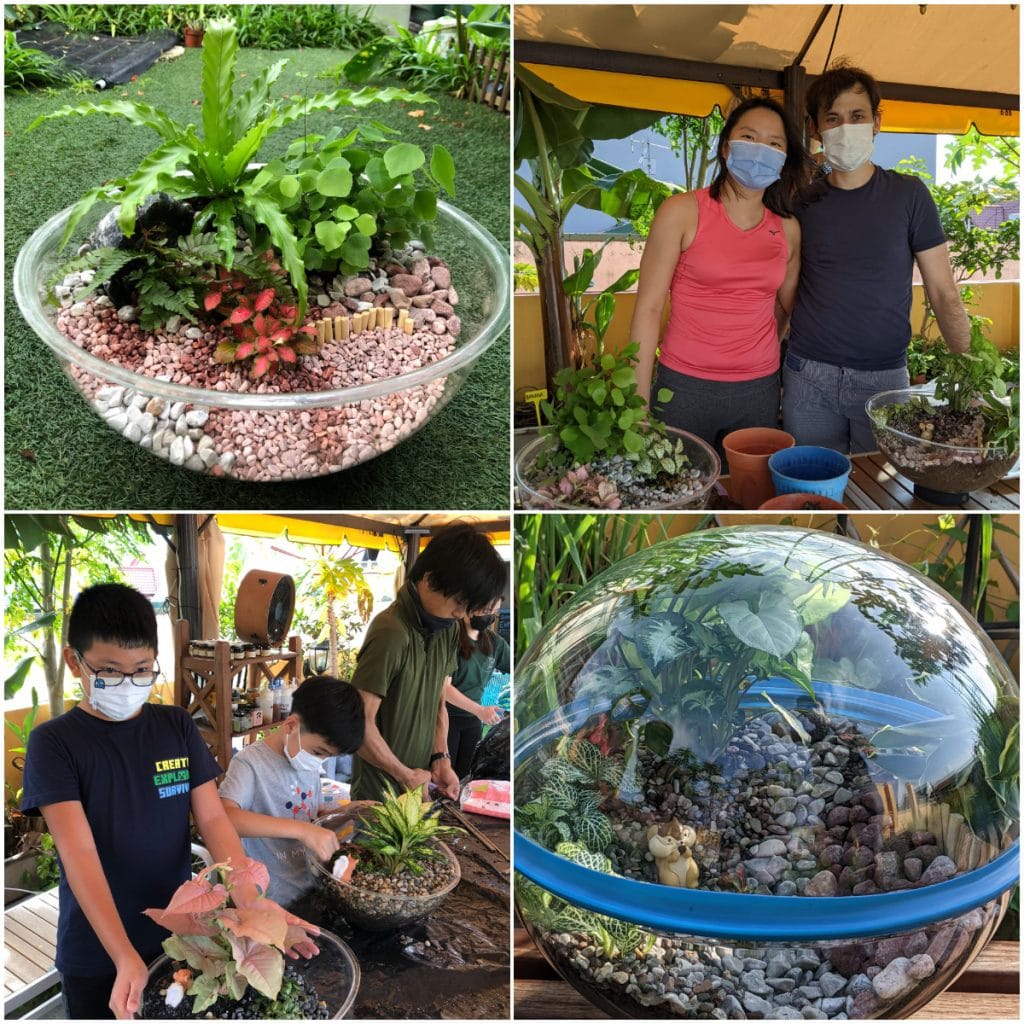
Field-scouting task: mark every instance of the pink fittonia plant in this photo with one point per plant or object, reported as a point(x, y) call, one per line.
point(229, 947)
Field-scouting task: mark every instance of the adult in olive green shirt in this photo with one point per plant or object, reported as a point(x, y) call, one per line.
point(408, 657)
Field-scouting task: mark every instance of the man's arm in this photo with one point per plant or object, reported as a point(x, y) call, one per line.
point(944, 296)
point(441, 773)
point(74, 841)
point(376, 751)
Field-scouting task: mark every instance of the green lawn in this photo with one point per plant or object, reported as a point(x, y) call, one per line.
point(58, 453)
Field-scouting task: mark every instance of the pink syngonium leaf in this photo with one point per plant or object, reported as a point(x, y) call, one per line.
point(262, 966)
point(264, 922)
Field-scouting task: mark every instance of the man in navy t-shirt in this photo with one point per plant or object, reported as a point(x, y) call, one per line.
point(851, 322)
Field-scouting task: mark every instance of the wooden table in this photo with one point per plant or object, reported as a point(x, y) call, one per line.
point(989, 990)
point(30, 945)
point(875, 484)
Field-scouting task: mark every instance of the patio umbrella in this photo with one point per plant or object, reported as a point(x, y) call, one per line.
point(940, 68)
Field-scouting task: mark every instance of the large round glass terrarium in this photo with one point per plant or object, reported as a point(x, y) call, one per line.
point(764, 772)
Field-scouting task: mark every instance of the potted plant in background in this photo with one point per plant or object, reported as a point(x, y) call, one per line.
point(194, 28)
point(206, 280)
point(392, 867)
point(228, 962)
point(956, 435)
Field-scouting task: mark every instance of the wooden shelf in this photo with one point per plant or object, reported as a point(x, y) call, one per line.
point(204, 685)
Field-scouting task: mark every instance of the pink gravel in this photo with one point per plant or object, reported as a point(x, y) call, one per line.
point(271, 446)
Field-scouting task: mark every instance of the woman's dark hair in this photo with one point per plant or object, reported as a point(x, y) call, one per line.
point(839, 78)
point(111, 613)
point(484, 643)
point(782, 196)
point(463, 564)
point(333, 709)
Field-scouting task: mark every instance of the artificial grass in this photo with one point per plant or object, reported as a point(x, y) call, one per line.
point(59, 455)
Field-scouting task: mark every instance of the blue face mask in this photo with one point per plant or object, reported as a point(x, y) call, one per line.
point(754, 165)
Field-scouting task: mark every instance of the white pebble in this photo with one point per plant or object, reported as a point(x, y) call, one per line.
point(127, 314)
point(103, 302)
point(147, 421)
point(177, 455)
point(180, 426)
point(118, 421)
point(227, 461)
point(193, 333)
point(195, 462)
point(177, 408)
point(133, 432)
point(79, 309)
point(173, 323)
point(208, 456)
point(197, 417)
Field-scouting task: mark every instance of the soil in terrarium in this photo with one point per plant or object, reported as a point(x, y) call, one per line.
point(295, 1001)
point(942, 425)
point(452, 963)
point(777, 814)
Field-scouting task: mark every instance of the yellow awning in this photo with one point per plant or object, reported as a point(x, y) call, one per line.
point(966, 55)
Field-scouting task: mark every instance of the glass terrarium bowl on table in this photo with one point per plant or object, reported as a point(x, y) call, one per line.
point(333, 974)
point(943, 474)
point(366, 908)
point(764, 772)
point(703, 458)
point(267, 436)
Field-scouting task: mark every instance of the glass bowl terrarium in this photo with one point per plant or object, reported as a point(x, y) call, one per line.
point(943, 472)
point(291, 428)
point(764, 772)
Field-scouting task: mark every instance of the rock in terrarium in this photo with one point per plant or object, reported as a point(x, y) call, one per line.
point(764, 772)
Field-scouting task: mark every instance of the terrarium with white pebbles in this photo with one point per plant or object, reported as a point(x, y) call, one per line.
point(764, 772)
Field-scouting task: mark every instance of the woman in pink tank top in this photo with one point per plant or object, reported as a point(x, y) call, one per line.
point(728, 258)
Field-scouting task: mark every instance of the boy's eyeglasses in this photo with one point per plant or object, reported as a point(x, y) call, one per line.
point(107, 680)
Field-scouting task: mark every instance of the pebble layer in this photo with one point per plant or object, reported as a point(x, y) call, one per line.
point(775, 816)
point(269, 446)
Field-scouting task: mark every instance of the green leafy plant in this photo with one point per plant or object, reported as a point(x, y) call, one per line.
point(25, 67)
point(402, 832)
point(676, 668)
point(597, 411)
point(543, 821)
point(228, 192)
point(347, 196)
point(229, 947)
point(47, 868)
point(525, 275)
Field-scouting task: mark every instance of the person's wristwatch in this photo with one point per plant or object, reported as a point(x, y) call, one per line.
point(439, 755)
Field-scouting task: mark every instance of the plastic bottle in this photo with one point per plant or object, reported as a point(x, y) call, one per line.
point(278, 698)
point(287, 692)
point(265, 699)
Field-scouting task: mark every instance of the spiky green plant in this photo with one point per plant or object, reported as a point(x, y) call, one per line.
point(402, 831)
point(235, 124)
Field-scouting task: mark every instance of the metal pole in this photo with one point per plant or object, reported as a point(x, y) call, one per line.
point(186, 529)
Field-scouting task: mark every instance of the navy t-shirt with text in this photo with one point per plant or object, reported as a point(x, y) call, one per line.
point(134, 781)
point(857, 251)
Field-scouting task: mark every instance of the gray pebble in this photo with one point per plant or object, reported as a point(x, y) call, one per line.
point(79, 309)
point(127, 314)
point(831, 983)
point(193, 333)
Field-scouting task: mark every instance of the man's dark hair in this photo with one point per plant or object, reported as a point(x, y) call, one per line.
point(781, 196)
point(333, 709)
point(839, 78)
point(463, 564)
point(111, 613)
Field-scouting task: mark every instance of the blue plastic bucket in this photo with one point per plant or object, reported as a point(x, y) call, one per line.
point(810, 469)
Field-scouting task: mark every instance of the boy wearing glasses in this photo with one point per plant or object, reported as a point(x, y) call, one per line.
point(116, 778)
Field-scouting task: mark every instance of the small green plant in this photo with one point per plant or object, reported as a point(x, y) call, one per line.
point(401, 832)
point(229, 947)
point(921, 357)
point(525, 276)
point(25, 67)
point(598, 412)
point(236, 121)
point(47, 868)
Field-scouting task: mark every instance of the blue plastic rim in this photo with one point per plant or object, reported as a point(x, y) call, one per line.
point(810, 469)
point(748, 918)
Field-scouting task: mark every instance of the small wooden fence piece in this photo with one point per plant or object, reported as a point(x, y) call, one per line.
point(339, 328)
point(491, 79)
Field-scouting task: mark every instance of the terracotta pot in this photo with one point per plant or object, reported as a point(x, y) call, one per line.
point(796, 502)
point(194, 38)
point(748, 451)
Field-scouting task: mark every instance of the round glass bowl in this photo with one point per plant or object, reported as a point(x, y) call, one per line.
point(937, 467)
point(333, 973)
point(263, 436)
point(366, 908)
point(530, 479)
point(764, 771)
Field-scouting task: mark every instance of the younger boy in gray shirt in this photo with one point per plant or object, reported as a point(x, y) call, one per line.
point(271, 792)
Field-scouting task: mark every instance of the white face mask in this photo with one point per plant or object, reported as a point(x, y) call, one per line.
point(303, 761)
point(118, 702)
point(847, 146)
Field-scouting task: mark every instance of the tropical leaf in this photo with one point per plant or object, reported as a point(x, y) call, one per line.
point(220, 48)
point(593, 831)
point(660, 640)
point(204, 991)
point(261, 966)
point(774, 628)
point(246, 108)
point(140, 114)
point(151, 176)
point(267, 212)
point(579, 854)
point(201, 952)
point(262, 925)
